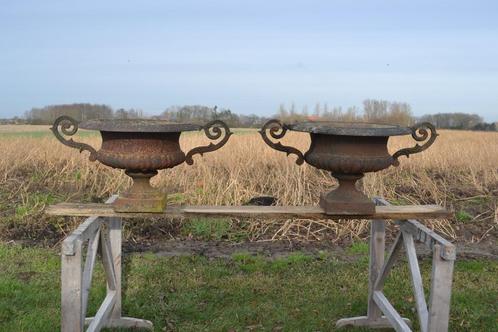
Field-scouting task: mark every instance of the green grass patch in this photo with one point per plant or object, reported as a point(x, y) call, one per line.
point(207, 228)
point(463, 216)
point(35, 202)
point(193, 293)
point(358, 248)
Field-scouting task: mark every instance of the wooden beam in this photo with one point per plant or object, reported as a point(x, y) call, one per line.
point(392, 315)
point(113, 232)
point(430, 238)
point(309, 212)
point(439, 301)
point(71, 296)
point(423, 234)
point(86, 282)
point(364, 321)
point(102, 315)
point(389, 262)
point(418, 288)
point(125, 323)
point(85, 231)
point(376, 261)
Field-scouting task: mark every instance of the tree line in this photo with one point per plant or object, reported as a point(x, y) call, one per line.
point(80, 112)
point(380, 111)
point(459, 121)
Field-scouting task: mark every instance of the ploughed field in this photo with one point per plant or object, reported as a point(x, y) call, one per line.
point(459, 171)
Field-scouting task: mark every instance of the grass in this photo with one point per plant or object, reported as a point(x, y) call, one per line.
point(463, 216)
point(245, 293)
point(358, 248)
point(207, 228)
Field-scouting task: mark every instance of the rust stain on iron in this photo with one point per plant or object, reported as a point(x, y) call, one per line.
point(348, 150)
point(140, 147)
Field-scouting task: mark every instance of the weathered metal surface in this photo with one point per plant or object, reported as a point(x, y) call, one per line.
point(277, 131)
point(420, 134)
point(138, 151)
point(138, 125)
point(213, 130)
point(141, 197)
point(141, 147)
point(348, 150)
point(349, 128)
point(346, 199)
point(66, 125)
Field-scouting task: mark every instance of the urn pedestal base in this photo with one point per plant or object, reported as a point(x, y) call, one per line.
point(346, 199)
point(141, 197)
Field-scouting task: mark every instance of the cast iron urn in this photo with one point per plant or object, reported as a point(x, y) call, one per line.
point(348, 150)
point(140, 147)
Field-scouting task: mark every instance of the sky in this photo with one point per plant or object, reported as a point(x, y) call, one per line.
point(250, 56)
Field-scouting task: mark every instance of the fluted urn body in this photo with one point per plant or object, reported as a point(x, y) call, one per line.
point(348, 150)
point(141, 147)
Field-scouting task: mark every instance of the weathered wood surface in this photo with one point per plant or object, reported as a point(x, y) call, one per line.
point(71, 290)
point(125, 323)
point(76, 276)
point(377, 249)
point(315, 212)
point(439, 301)
point(113, 232)
point(364, 321)
point(430, 238)
point(397, 322)
point(418, 288)
point(91, 256)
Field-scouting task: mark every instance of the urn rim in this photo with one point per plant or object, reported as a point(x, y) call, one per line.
point(138, 125)
point(342, 128)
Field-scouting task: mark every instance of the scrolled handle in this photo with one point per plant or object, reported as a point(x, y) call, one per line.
point(277, 131)
point(420, 133)
point(65, 125)
point(213, 130)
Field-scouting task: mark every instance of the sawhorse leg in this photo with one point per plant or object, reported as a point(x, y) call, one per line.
point(76, 276)
point(374, 318)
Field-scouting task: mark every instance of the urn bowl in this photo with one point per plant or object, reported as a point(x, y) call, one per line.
point(348, 150)
point(141, 147)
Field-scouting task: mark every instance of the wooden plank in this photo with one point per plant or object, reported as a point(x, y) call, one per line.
point(102, 315)
point(84, 231)
point(312, 212)
point(108, 262)
point(391, 259)
point(439, 301)
point(71, 299)
point(430, 238)
point(364, 321)
point(418, 288)
point(88, 270)
point(125, 323)
point(114, 233)
point(377, 248)
point(423, 234)
point(392, 315)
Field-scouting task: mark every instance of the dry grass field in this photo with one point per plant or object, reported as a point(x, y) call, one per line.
point(459, 171)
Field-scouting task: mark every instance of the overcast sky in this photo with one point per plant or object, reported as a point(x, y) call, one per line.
point(250, 56)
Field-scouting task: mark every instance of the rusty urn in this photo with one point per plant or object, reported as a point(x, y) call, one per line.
point(140, 147)
point(348, 150)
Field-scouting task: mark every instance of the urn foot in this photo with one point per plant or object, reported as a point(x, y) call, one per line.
point(141, 197)
point(346, 199)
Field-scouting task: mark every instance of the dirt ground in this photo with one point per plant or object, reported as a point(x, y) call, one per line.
point(277, 249)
